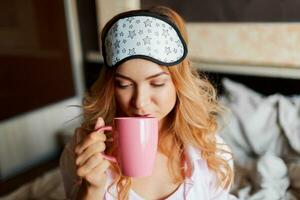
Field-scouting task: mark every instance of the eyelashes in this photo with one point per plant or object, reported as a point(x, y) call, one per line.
point(158, 85)
point(118, 84)
point(123, 86)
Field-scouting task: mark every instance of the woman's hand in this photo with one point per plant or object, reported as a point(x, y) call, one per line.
point(90, 164)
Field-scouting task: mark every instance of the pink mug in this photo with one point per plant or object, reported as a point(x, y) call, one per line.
point(137, 139)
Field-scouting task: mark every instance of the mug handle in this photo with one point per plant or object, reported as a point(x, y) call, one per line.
point(107, 157)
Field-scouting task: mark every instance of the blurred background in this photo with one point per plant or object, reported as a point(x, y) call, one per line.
point(49, 56)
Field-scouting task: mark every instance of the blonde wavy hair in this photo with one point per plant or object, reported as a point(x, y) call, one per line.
point(193, 120)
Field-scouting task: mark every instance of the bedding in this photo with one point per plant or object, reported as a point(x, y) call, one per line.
point(264, 134)
point(47, 187)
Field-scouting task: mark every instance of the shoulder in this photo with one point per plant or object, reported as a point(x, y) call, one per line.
point(201, 166)
point(195, 159)
point(224, 151)
point(204, 179)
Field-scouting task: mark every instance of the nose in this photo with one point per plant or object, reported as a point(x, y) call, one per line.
point(141, 99)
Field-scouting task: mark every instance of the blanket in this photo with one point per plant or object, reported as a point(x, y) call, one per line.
point(264, 134)
point(47, 187)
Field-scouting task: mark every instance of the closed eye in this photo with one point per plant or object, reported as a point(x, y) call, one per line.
point(123, 85)
point(158, 84)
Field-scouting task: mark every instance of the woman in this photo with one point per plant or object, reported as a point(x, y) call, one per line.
point(147, 73)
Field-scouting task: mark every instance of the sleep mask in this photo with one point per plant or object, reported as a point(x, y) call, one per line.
point(142, 34)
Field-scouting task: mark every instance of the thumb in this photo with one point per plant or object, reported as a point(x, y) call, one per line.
point(100, 123)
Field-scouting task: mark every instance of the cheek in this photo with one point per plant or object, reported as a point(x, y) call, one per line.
point(122, 98)
point(168, 97)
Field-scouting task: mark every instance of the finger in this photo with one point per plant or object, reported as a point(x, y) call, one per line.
point(93, 149)
point(101, 167)
point(91, 163)
point(99, 170)
point(89, 140)
point(99, 123)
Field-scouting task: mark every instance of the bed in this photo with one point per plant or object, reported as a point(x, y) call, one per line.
point(262, 128)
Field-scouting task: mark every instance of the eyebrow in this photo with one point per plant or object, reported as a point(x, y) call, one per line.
point(149, 77)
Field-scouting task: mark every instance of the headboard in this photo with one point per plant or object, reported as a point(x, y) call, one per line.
point(263, 85)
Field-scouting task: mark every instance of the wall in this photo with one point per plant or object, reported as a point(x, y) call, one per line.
point(31, 138)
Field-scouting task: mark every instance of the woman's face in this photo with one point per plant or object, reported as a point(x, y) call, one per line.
point(143, 88)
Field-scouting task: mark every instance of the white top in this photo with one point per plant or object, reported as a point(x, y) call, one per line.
point(199, 186)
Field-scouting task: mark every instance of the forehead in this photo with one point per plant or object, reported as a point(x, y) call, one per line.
point(139, 68)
